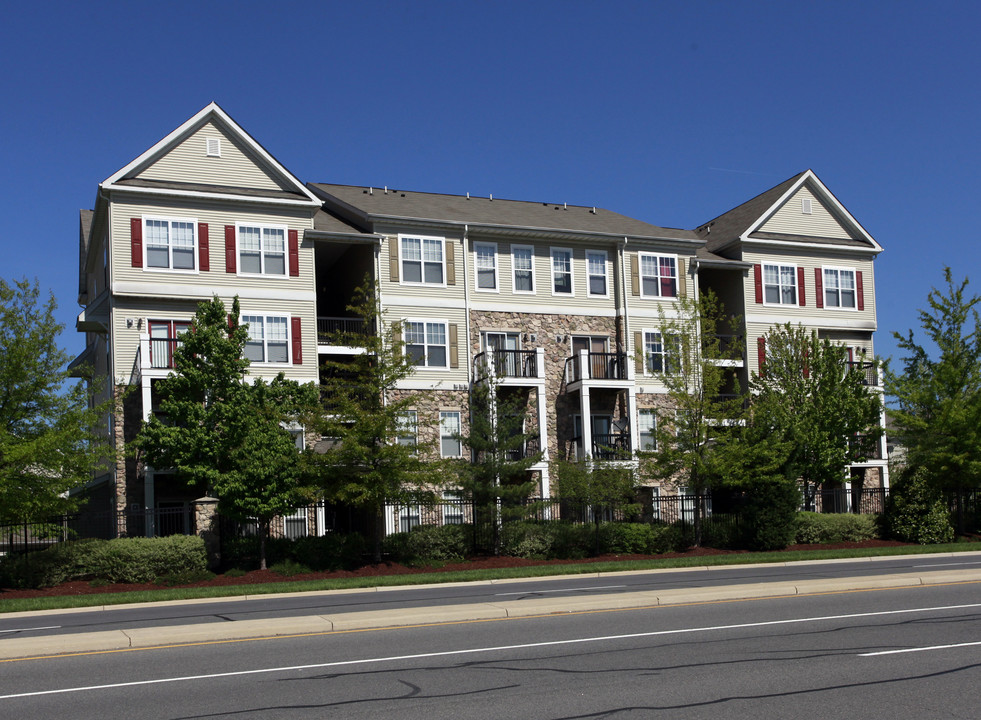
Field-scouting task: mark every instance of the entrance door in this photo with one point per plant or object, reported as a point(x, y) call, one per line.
point(596, 346)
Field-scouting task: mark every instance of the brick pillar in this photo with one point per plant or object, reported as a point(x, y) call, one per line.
point(206, 527)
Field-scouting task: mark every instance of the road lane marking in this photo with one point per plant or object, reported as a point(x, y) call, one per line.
point(949, 564)
point(17, 630)
point(919, 649)
point(498, 648)
point(542, 592)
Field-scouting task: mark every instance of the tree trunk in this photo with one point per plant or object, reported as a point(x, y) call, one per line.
point(263, 534)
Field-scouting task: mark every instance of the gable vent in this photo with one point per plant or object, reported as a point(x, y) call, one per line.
point(213, 147)
point(805, 206)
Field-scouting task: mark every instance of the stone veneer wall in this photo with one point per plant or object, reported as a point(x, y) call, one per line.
point(428, 404)
point(127, 420)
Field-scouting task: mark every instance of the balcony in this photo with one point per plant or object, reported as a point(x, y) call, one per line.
point(868, 371)
point(610, 446)
point(731, 350)
point(332, 329)
point(596, 366)
point(510, 366)
point(162, 352)
point(874, 450)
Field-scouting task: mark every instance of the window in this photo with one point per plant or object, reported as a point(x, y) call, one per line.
point(486, 265)
point(839, 288)
point(406, 429)
point(561, 271)
point(422, 260)
point(425, 343)
point(449, 431)
point(164, 340)
point(658, 275)
point(262, 250)
point(661, 353)
point(523, 263)
point(780, 284)
point(268, 339)
point(647, 421)
point(452, 508)
point(596, 272)
point(170, 244)
point(409, 517)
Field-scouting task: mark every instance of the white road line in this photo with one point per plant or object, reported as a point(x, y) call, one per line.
point(16, 630)
point(474, 651)
point(949, 564)
point(919, 649)
point(542, 592)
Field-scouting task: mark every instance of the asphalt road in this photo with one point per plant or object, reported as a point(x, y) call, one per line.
point(897, 653)
point(393, 599)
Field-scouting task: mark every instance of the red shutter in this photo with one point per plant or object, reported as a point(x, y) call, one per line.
point(807, 366)
point(800, 287)
point(819, 287)
point(204, 262)
point(294, 254)
point(758, 277)
point(231, 325)
point(136, 241)
point(229, 248)
point(297, 343)
point(761, 353)
point(860, 289)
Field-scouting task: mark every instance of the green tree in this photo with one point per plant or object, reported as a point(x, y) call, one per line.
point(703, 396)
point(597, 490)
point(52, 436)
point(364, 416)
point(938, 391)
point(226, 436)
point(806, 396)
point(495, 477)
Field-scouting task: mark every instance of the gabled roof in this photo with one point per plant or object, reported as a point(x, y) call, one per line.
point(743, 221)
point(84, 238)
point(125, 177)
point(365, 206)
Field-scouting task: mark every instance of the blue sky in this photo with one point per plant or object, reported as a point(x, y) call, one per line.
point(671, 112)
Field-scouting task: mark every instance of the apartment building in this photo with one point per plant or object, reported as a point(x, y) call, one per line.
point(558, 304)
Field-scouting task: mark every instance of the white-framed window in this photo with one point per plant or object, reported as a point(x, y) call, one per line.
point(562, 271)
point(269, 338)
point(452, 508)
point(426, 343)
point(261, 249)
point(839, 288)
point(409, 516)
point(780, 284)
point(658, 275)
point(423, 259)
point(523, 266)
point(170, 243)
point(660, 352)
point(449, 431)
point(164, 339)
point(647, 425)
point(408, 424)
point(596, 273)
point(485, 265)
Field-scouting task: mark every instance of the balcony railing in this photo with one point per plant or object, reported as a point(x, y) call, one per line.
point(730, 347)
point(162, 352)
point(531, 447)
point(598, 366)
point(608, 446)
point(507, 364)
point(864, 442)
point(330, 328)
point(868, 371)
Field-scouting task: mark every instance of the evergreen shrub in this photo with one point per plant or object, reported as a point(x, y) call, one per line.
point(915, 511)
point(836, 527)
point(429, 544)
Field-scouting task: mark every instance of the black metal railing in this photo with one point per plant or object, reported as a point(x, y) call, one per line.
point(868, 371)
point(529, 448)
point(506, 364)
point(330, 329)
point(871, 447)
point(162, 351)
point(605, 446)
point(730, 347)
point(860, 501)
point(600, 366)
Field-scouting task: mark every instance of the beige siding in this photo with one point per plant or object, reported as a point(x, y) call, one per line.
point(448, 293)
point(859, 341)
point(217, 216)
point(790, 218)
point(238, 166)
point(445, 377)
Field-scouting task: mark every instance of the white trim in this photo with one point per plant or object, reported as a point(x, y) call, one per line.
point(422, 260)
point(809, 245)
point(778, 265)
point(211, 111)
point(425, 332)
point(664, 354)
point(193, 222)
point(514, 268)
point(262, 252)
point(210, 196)
point(459, 420)
point(811, 321)
point(606, 274)
point(199, 292)
point(476, 267)
point(657, 257)
point(265, 343)
point(824, 286)
point(572, 275)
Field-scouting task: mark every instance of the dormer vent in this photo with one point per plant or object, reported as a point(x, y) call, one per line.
point(212, 147)
point(805, 206)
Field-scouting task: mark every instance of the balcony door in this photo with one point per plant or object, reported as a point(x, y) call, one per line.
point(163, 341)
point(597, 348)
point(498, 344)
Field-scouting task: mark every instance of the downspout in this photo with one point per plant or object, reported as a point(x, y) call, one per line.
point(466, 302)
point(378, 299)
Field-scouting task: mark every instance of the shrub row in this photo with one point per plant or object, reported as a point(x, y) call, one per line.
point(124, 560)
point(836, 527)
point(333, 551)
point(559, 540)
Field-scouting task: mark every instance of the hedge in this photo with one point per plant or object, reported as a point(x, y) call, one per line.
point(836, 527)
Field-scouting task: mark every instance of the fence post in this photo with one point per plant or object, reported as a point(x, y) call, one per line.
point(206, 527)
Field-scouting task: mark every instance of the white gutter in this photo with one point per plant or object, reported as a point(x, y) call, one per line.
point(466, 301)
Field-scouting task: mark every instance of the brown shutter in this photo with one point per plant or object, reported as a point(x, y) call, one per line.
point(860, 289)
point(758, 278)
point(393, 259)
point(230, 249)
point(639, 352)
point(294, 253)
point(296, 339)
point(204, 261)
point(800, 287)
point(819, 287)
point(682, 278)
point(450, 263)
point(761, 354)
point(136, 241)
point(454, 347)
point(635, 275)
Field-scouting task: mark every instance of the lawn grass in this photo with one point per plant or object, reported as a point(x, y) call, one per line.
point(289, 586)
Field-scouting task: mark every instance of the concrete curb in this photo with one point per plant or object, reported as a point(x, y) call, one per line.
point(312, 624)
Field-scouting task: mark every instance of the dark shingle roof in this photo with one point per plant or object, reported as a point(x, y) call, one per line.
point(328, 222)
point(734, 223)
point(374, 204)
point(84, 238)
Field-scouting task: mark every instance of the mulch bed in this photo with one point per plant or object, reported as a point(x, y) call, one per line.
point(481, 563)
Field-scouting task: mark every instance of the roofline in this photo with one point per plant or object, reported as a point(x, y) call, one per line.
point(823, 246)
point(257, 199)
point(725, 264)
point(367, 239)
point(211, 109)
